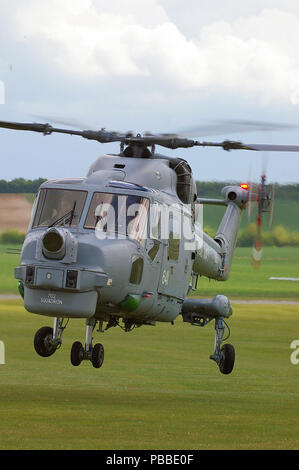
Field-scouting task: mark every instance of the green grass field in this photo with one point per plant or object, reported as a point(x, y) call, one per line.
point(249, 282)
point(8, 262)
point(157, 388)
point(285, 213)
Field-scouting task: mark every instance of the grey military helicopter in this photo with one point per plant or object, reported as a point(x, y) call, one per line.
point(109, 247)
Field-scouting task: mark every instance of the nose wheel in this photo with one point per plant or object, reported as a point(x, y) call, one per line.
point(47, 340)
point(43, 342)
point(94, 354)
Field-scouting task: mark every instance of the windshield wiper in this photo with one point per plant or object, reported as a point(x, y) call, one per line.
point(68, 217)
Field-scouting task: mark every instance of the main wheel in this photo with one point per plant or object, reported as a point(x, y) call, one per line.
point(77, 353)
point(228, 359)
point(97, 355)
point(43, 342)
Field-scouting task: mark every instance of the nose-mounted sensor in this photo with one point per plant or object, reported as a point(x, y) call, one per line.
point(53, 244)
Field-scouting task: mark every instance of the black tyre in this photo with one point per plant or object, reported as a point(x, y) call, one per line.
point(228, 359)
point(97, 355)
point(42, 342)
point(77, 353)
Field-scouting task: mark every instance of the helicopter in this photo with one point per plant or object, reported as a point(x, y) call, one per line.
point(124, 245)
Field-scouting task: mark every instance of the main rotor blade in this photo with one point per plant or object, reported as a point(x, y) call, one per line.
point(229, 126)
point(101, 136)
point(19, 126)
point(233, 145)
point(46, 129)
point(273, 148)
point(171, 141)
point(65, 121)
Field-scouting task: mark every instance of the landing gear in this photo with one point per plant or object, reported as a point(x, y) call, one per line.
point(77, 353)
point(228, 359)
point(200, 312)
point(43, 342)
point(97, 355)
point(47, 340)
point(224, 357)
point(94, 354)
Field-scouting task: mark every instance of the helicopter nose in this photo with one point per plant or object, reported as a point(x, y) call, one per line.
point(110, 255)
point(115, 258)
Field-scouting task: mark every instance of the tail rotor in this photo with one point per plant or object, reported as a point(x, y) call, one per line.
point(260, 200)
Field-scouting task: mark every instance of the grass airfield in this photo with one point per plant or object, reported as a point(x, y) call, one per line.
point(157, 388)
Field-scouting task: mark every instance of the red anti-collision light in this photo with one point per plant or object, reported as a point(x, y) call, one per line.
point(245, 186)
point(146, 295)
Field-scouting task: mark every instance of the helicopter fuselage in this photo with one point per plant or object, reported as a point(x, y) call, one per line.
point(123, 244)
point(144, 276)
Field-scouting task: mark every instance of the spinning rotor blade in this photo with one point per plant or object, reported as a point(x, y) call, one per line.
point(273, 148)
point(257, 249)
point(265, 204)
point(251, 199)
point(171, 141)
point(65, 121)
point(101, 136)
point(229, 126)
point(75, 123)
point(174, 142)
point(232, 145)
point(257, 252)
point(271, 214)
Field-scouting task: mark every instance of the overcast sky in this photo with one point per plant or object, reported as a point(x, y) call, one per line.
point(158, 65)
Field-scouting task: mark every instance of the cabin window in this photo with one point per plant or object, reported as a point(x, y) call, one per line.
point(136, 271)
point(174, 238)
point(153, 251)
point(155, 221)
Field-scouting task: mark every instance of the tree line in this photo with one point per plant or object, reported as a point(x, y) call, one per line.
point(21, 185)
point(204, 188)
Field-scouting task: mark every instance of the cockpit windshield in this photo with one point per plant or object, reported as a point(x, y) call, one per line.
point(118, 216)
point(60, 207)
